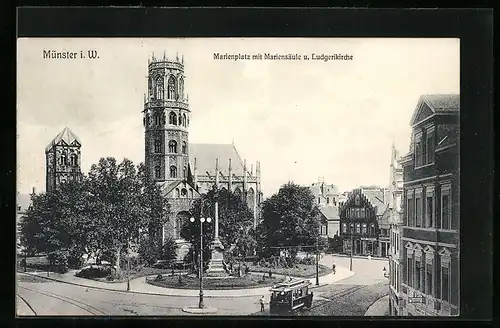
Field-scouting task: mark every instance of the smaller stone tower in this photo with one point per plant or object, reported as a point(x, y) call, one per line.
point(63, 159)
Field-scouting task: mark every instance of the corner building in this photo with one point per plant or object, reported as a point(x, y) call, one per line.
point(182, 169)
point(431, 224)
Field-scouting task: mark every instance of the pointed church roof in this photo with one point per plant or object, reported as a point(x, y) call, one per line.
point(65, 135)
point(206, 154)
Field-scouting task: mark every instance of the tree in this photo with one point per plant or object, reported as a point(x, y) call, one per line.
point(290, 220)
point(235, 221)
point(126, 202)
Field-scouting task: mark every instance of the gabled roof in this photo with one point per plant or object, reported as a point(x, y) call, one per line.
point(330, 212)
point(65, 135)
point(376, 196)
point(438, 103)
point(206, 154)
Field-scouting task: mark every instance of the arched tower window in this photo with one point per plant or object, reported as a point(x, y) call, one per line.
point(157, 146)
point(184, 148)
point(181, 88)
point(159, 88)
point(172, 118)
point(177, 193)
point(173, 172)
point(172, 146)
point(157, 171)
point(74, 160)
point(171, 88)
point(63, 160)
point(184, 192)
point(357, 200)
point(184, 119)
point(184, 172)
point(163, 118)
point(191, 192)
point(180, 119)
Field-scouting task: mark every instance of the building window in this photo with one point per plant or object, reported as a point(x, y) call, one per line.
point(364, 228)
point(358, 228)
point(180, 120)
point(177, 193)
point(181, 87)
point(184, 192)
point(409, 270)
point(184, 148)
point(172, 146)
point(157, 171)
point(445, 283)
point(418, 211)
point(159, 88)
point(172, 118)
point(74, 160)
point(157, 146)
point(418, 281)
point(344, 227)
point(446, 207)
point(357, 200)
point(191, 193)
point(363, 213)
point(429, 279)
point(184, 172)
point(184, 119)
point(319, 200)
point(63, 160)
point(430, 146)
point(328, 200)
point(429, 213)
point(171, 88)
point(173, 172)
point(323, 230)
point(418, 154)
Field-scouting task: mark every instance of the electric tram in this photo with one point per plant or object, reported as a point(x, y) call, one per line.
point(287, 297)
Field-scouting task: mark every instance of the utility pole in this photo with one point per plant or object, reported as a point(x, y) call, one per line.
point(317, 261)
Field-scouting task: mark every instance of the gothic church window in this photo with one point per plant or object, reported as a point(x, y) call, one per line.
point(357, 200)
point(180, 119)
point(74, 160)
point(177, 193)
point(184, 119)
point(184, 150)
point(157, 146)
point(157, 171)
point(172, 146)
point(191, 193)
point(184, 192)
point(172, 119)
point(64, 160)
point(171, 88)
point(173, 172)
point(184, 172)
point(181, 88)
point(159, 88)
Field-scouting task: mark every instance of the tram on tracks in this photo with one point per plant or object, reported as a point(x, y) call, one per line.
point(288, 297)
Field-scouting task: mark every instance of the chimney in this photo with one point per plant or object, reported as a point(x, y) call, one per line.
point(34, 190)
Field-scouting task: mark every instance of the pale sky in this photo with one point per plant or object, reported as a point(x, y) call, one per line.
point(300, 119)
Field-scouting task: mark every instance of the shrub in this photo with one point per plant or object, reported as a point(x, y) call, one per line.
point(159, 277)
point(94, 272)
point(308, 261)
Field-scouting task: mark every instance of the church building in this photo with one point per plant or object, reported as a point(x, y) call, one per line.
point(183, 169)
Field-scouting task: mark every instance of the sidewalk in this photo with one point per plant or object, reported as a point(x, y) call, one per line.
point(360, 257)
point(139, 285)
point(379, 308)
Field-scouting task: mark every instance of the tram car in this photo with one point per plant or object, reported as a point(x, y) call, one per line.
point(288, 297)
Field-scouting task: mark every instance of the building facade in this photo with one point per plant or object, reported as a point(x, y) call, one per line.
point(395, 221)
point(327, 197)
point(62, 159)
point(430, 231)
point(185, 170)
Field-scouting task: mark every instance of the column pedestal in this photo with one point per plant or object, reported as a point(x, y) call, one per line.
point(216, 266)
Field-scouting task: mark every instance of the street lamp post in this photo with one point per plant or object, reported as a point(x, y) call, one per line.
point(317, 260)
point(202, 220)
point(352, 247)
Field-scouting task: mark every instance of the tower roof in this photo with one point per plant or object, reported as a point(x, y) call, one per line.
point(65, 135)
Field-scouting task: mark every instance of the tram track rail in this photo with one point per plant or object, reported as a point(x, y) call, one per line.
point(81, 305)
point(27, 304)
point(340, 294)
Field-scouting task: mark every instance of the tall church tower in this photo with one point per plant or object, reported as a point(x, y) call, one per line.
point(63, 161)
point(166, 121)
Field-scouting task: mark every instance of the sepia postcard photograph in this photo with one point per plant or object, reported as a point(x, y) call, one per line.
point(238, 177)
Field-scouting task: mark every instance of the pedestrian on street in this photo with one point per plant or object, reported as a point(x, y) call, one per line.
point(333, 267)
point(261, 301)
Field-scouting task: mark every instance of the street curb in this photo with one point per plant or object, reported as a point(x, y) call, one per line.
point(361, 257)
point(156, 294)
point(371, 305)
